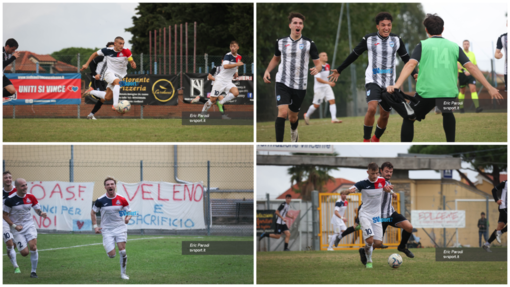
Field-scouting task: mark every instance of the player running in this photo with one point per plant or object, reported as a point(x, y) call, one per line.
point(281, 223)
point(116, 69)
point(223, 81)
point(294, 51)
point(10, 55)
point(390, 216)
point(17, 215)
point(211, 77)
point(502, 44)
point(499, 193)
point(113, 226)
point(382, 47)
point(465, 78)
point(98, 85)
point(322, 89)
point(370, 211)
point(9, 189)
point(338, 220)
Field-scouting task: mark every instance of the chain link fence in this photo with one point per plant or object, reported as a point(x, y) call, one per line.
point(226, 169)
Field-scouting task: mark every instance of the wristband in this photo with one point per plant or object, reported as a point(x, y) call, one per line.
point(95, 226)
point(392, 192)
point(13, 225)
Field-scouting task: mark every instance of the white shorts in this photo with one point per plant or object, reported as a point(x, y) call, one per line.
point(7, 232)
point(219, 88)
point(112, 236)
point(370, 228)
point(339, 227)
point(323, 94)
point(21, 238)
point(109, 77)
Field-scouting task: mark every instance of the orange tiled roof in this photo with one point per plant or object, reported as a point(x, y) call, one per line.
point(330, 187)
point(24, 64)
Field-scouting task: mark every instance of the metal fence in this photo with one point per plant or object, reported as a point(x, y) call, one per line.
point(225, 170)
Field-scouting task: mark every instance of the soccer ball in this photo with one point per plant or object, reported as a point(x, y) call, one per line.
point(395, 260)
point(123, 107)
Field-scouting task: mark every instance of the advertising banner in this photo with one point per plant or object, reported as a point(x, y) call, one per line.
point(164, 205)
point(197, 84)
point(45, 89)
point(146, 90)
point(438, 218)
point(68, 205)
point(266, 221)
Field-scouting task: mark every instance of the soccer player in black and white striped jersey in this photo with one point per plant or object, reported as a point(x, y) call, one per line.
point(500, 194)
point(502, 44)
point(281, 223)
point(383, 47)
point(291, 79)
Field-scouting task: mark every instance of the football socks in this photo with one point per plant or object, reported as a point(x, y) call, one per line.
point(332, 110)
point(293, 126)
point(310, 111)
point(379, 132)
point(279, 128)
point(34, 258)
point(99, 94)
point(229, 97)
point(123, 261)
point(367, 132)
point(116, 95)
point(449, 126)
point(11, 253)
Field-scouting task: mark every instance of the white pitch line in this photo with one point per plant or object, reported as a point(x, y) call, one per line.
point(93, 244)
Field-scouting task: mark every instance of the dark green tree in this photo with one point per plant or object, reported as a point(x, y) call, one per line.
point(70, 55)
point(485, 159)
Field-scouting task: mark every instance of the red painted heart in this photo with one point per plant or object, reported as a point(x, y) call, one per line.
point(80, 224)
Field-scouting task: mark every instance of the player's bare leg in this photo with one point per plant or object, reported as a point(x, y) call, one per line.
point(34, 257)
point(233, 93)
point(11, 253)
point(369, 120)
point(332, 110)
point(287, 238)
point(294, 121)
point(310, 111)
point(123, 259)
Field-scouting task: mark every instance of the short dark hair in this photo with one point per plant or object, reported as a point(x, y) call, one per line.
point(109, 44)
point(288, 195)
point(110, 178)
point(7, 172)
point(386, 164)
point(434, 24)
point(293, 15)
point(12, 43)
point(119, 37)
point(466, 41)
point(383, 16)
point(373, 166)
point(234, 42)
point(483, 213)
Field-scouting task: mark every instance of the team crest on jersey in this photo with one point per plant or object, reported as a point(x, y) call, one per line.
point(379, 186)
point(278, 98)
point(368, 93)
point(301, 46)
point(28, 200)
point(392, 44)
point(118, 202)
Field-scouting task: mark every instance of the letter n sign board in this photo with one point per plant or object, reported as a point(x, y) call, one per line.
point(447, 173)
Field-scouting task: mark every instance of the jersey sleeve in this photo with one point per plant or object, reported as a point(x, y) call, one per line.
point(463, 59)
point(338, 205)
point(125, 205)
point(499, 43)
point(416, 55)
point(358, 186)
point(7, 205)
point(402, 51)
point(277, 51)
point(96, 207)
point(102, 52)
point(127, 53)
point(212, 71)
point(361, 47)
point(314, 54)
point(281, 207)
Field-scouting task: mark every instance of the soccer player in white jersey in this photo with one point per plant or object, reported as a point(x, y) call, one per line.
point(295, 51)
point(502, 44)
point(338, 220)
point(223, 81)
point(281, 223)
point(113, 226)
point(322, 90)
point(500, 194)
point(116, 69)
point(17, 214)
point(370, 212)
point(382, 47)
point(9, 189)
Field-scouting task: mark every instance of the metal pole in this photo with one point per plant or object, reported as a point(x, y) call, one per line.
point(78, 111)
point(141, 112)
point(13, 111)
point(353, 67)
point(337, 35)
point(181, 56)
point(186, 48)
point(78, 70)
point(141, 170)
point(195, 49)
point(150, 51)
point(175, 48)
point(315, 220)
point(159, 58)
point(164, 50)
point(205, 59)
point(141, 62)
point(37, 67)
point(169, 50)
point(71, 165)
point(155, 51)
point(444, 208)
point(3, 165)
point(408, 78)
point(208, 197)
point(268, 207)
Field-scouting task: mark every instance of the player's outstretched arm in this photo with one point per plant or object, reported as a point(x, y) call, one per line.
point(86, 65)
point(210, 77)
point(232, 66)
point(406, 72)
point(40, 213)
point(498, 55)
point(133, 63)
point(479, 76)
point(267, 74)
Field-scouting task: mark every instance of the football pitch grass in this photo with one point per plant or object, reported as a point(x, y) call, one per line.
point(120, 130)
point(344, 267)
point(482, 127)
point(152, 259)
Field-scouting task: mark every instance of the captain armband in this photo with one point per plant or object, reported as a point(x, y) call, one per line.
point(130, 59)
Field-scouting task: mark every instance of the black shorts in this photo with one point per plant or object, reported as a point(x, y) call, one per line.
point(281, 228)
point(374, 93)
point(6, 81)
point(393, 220)
point(424, 106)
point(98, 85)
point(291, 97)
point(466, 80)
point(503, 215)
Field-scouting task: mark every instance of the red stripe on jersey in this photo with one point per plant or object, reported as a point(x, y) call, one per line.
point(124, 53)
point(345, 203)
point(119, 200)
point(327, 67)
point(30, 199)
point(238, 58)
point(12, 191)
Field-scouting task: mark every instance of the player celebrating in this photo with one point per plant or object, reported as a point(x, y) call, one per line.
point(10, 55)
point(223, 81)
point(499, 193)
point(465, 78)
point(113, 226)
point(370, 211)
point(322, 90)
point(116, 68)
point(8, 238)
point(281, 223)
point(437, 83)
point(17, 215)
point(390, 216)
point(338, 220)
point(98, 85)
point(294, 51)
point(502, 44)
point(383, 47)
